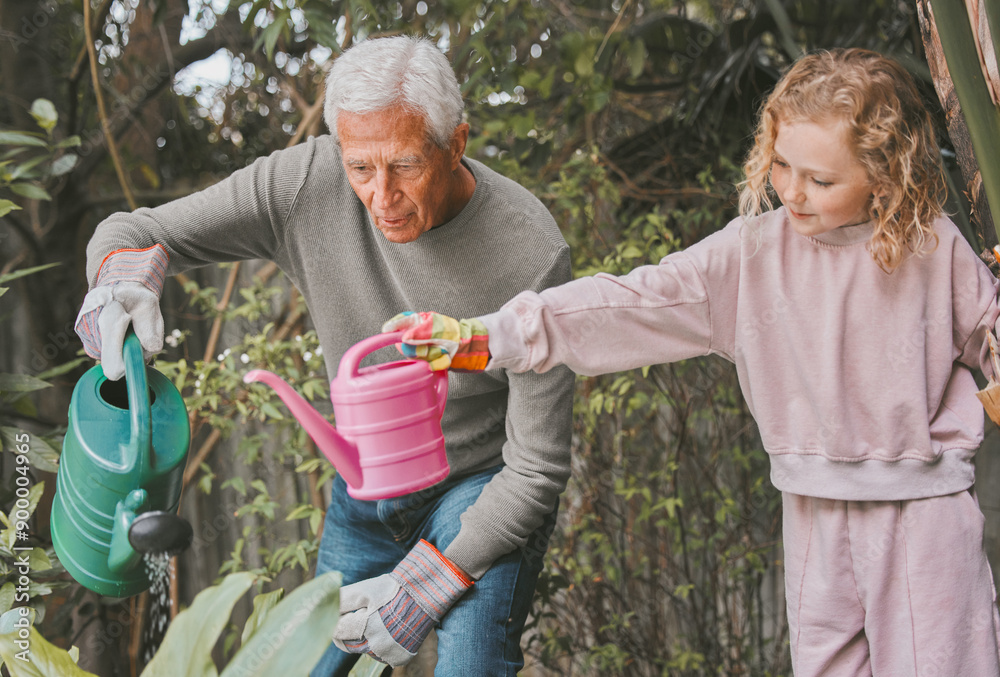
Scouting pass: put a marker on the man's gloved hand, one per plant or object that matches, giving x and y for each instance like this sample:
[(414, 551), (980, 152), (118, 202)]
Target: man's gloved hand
[(127, 291), (389, 616), (444, 342)]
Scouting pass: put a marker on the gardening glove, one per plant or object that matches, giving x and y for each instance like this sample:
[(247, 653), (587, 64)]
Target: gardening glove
[(444, 342), (388, 617), (127, 291)]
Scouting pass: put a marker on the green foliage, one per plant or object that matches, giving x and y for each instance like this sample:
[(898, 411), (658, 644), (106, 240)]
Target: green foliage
[(286, 636), (29, 568), (214, 391), (32, 159)]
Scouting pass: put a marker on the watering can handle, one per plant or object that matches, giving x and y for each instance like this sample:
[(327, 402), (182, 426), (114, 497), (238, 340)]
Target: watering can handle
[(140, 443), (352, 358)]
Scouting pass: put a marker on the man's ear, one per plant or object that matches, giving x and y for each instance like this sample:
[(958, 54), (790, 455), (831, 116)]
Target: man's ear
[(459, 139)]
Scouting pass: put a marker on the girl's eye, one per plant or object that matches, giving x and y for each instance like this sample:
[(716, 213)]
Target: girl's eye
[(822, 184), (780, 163)]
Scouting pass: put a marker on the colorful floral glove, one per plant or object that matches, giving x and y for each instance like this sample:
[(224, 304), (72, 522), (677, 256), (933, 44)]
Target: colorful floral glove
[(444, 342), (127, 291), (388, 617)]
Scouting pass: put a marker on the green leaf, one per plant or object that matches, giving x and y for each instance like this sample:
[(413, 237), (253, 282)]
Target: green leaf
[(10, 617), (34, 495), (42, 455), (21, 139), (61, 369), (21, 383), (295, 633), (69, 142), (367, 667), (6, 597), (271, 34), (262, 604), (25, 271), (39, 560), (44, 112), (299, 512), (632, 252), (6, 207), (64, 165), (187, 647), (44, 659), (30, 191)]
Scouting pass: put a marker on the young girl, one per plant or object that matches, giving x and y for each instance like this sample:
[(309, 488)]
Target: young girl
[(855, 314)]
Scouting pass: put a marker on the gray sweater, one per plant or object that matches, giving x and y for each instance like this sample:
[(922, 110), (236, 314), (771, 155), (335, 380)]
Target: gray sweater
[(297, 209)]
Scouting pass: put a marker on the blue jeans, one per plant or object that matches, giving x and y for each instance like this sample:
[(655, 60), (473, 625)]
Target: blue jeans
[(481, 634)]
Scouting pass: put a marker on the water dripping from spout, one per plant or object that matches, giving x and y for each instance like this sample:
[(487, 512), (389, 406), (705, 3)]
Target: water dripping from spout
[(159, 568)]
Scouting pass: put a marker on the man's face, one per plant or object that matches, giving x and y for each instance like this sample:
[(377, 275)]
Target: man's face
[(406, 182)]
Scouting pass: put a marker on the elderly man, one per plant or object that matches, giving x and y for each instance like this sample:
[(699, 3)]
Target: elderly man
[(383, 215)]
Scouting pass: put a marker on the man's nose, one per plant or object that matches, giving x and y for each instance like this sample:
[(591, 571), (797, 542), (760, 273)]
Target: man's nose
[(386, 192)]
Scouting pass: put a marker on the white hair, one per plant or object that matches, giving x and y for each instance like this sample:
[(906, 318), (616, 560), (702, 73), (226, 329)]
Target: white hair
[(404, 71)]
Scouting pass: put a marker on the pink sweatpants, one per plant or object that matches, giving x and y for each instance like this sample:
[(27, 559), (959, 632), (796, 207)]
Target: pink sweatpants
[(889, 588)]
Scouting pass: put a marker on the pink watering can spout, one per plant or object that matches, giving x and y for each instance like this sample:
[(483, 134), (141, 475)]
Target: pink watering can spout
[(388, 439), (341, 453)]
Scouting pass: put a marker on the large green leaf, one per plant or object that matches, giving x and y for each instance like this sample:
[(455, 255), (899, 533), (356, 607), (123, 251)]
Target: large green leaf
[(187, 647), (294, 634), (262, 604), (39, 659)]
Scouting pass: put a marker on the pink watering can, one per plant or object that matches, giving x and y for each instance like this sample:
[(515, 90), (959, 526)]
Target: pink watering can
[(388, 439)]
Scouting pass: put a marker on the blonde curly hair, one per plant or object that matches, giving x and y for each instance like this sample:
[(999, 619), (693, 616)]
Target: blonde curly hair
[(890, 134)]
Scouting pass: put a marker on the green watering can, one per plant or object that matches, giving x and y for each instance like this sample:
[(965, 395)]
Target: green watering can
[(120, 476)]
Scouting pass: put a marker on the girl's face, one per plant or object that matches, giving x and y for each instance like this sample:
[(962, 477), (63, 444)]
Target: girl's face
[(817, 177)]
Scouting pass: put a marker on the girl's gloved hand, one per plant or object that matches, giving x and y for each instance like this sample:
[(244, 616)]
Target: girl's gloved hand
[(444, 342), (127, 291), (388, 617)]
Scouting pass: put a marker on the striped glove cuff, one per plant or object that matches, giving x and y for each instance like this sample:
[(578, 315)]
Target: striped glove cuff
[(147, 266), (433, 582)]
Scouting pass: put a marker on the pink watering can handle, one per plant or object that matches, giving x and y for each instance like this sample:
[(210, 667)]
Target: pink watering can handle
[(351, 359)]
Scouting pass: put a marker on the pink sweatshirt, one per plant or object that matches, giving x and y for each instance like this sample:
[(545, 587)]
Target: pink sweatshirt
[(860, 381)]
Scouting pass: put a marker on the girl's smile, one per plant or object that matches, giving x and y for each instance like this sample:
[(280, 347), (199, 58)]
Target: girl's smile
[(817, 177)]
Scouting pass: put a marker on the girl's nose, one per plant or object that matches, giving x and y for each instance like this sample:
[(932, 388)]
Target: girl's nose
[(796, 190)]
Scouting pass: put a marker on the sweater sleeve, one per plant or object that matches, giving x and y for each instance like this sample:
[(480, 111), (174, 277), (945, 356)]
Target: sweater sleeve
[(601, 324), (974, 302), (238, 218)]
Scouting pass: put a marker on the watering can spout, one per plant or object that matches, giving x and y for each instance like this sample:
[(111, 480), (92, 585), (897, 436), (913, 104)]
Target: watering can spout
[(341, 453)]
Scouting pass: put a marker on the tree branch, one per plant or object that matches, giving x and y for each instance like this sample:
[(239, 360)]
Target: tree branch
[(101, 110)]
